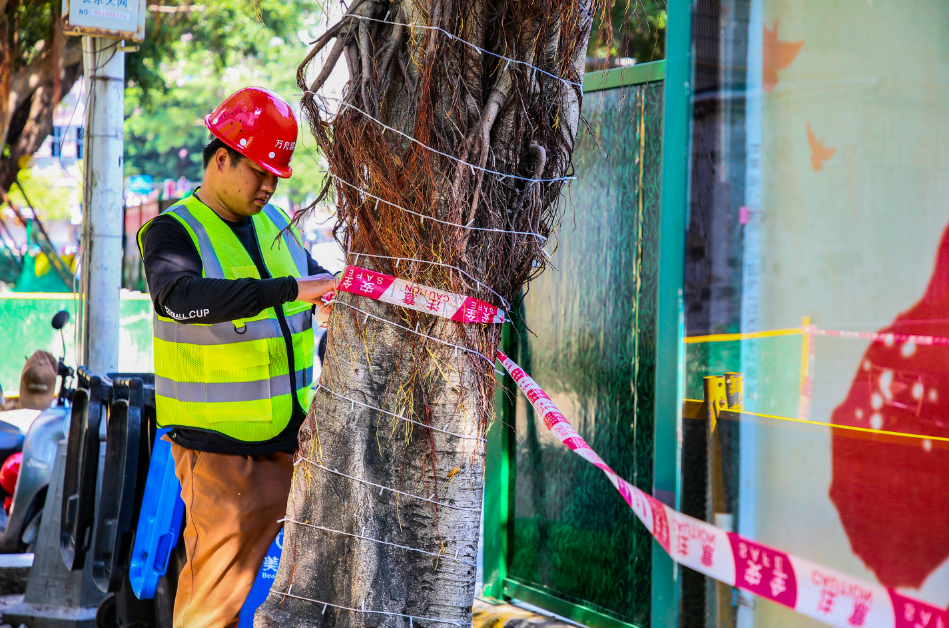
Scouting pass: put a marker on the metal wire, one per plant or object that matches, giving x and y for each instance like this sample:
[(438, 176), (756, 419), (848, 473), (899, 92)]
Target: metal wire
[(415, 331), (424, 217), (384, 488), (380, 541), (507, 306), (503, 175), (363, 610), (398, 416), (468, 43)]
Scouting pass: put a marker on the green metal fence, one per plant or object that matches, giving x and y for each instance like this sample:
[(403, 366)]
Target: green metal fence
[(556, 534), (25, 327)]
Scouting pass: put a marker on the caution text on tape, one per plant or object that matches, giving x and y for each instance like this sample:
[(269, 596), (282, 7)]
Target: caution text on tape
[(388, 289)]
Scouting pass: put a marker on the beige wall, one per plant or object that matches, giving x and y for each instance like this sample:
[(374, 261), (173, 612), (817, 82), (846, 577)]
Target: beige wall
[(850, 245)]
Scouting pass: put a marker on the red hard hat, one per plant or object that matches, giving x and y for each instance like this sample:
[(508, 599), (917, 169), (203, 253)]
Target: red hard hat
[(10, 471), (259, 125)]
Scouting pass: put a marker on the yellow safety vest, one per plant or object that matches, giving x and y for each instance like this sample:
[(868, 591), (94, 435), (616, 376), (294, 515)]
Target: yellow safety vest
[(234, 378)]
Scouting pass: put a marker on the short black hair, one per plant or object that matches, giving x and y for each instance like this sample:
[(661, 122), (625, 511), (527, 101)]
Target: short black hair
[(211, 149)]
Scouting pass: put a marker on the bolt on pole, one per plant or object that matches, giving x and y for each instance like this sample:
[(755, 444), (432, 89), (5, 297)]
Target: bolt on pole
[(104, 68)]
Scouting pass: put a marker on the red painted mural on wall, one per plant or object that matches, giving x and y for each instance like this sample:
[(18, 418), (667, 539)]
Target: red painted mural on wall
[(893, 494)]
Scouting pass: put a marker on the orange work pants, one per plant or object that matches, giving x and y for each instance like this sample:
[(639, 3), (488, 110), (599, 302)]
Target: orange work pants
[(232, 508)]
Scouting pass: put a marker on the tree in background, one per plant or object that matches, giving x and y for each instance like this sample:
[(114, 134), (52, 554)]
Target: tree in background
[(192, 55), (47, 195), (194, 60), (38, 66), (632, 34)]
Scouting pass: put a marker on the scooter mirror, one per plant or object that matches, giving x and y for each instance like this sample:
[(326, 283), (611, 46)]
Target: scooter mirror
[(60, 319)]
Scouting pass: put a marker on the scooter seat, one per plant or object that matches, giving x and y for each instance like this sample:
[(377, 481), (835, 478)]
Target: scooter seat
[(11, 440)]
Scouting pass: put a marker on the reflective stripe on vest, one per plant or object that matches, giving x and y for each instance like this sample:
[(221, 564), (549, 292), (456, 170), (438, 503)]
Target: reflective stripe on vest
[(226, 333), (296, 251), (234, 377), (198, 392), (212, 267)]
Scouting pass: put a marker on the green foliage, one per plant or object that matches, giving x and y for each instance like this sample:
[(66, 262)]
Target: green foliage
[(191, 62), (637, 29), (51, 200), (226, 34), (33, 27)]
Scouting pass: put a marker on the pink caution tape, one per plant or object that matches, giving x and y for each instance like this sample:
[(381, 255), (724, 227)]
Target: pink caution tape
[(885, 337), (810, 589), (388, 289), (826, 595)]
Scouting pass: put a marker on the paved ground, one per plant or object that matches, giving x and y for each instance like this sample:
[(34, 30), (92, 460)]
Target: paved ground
[(6, 601), (487, 615), (14, 571)]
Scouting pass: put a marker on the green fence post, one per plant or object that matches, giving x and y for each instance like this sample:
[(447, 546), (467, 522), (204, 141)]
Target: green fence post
[(672, 224), (499, 470), (500, 467)]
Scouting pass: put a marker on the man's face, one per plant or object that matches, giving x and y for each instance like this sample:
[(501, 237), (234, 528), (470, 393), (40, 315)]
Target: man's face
[(248, 187)]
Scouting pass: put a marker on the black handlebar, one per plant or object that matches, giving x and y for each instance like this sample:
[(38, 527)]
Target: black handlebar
[(65, 373)]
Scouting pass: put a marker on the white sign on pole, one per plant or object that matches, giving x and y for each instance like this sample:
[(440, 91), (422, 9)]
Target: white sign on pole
[(117, 19)]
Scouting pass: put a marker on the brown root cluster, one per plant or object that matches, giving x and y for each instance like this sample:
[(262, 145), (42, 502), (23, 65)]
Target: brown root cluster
[(496, 88)]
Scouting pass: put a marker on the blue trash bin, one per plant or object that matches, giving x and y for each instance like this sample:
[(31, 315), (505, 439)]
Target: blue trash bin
[(159, 522), (265, 577), (159, 525)]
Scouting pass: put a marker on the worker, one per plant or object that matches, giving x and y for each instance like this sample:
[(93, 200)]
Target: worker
[(233, 290)]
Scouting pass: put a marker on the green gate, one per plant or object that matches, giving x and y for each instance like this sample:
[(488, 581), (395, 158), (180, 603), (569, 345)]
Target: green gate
[(556, 533)]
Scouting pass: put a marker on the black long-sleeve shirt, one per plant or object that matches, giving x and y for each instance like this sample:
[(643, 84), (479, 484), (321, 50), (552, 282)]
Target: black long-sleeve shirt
[(173, 270)]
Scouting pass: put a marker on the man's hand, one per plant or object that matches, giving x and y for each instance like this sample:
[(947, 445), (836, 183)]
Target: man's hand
[(312, 288)]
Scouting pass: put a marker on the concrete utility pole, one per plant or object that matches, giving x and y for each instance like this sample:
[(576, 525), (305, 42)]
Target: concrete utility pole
[(104, 67)]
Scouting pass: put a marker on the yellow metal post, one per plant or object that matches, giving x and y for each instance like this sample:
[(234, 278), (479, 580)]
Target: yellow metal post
[(715, 400), (807, 350), (721, 394)]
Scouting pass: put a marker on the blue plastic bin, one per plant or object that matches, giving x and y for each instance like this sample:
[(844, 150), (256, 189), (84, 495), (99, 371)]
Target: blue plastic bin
[(159, 522), (265, 577), (159, 525)]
